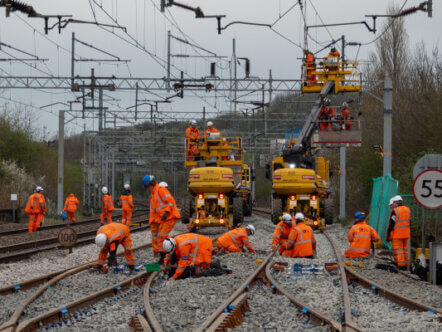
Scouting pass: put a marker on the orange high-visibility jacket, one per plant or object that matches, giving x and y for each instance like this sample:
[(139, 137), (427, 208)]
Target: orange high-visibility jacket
[(310, 61), (161, 201), (281, 233), (360, 237), (302, 240), (401, 228), (36, 204), (127, 202), (107, 204), (334, 54), (116, 232), (210, 130), (238, 237), (193, 133), (71, 203), (192, 249)]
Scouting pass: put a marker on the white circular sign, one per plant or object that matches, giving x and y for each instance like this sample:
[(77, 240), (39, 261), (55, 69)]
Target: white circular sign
[(427, 189)]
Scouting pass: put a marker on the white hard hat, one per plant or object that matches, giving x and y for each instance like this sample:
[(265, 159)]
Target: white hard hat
[(127, 186), (345, 104), (251, 228), (39, 189), (163, 184), (168, 245), (287, 218), (100, 240), (333, 46), (193, 122), (396, 198), (209, 124), (299, 216), (104, 190)]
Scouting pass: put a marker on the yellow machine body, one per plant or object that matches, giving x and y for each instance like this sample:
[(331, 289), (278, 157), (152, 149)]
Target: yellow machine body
[(219, 195)]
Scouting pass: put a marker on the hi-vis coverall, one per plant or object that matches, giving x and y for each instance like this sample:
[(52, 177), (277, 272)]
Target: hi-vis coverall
[(301, 242), (107, 206), (163, 216), (360, 237), (399, 233), (116, 234), (36, 208), (192, 249), (281, 235), (234, 241), (70, 207), (127, 204)]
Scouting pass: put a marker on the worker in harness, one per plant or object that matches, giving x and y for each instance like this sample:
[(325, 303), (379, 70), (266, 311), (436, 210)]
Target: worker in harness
[(310, 67), (193, 135)]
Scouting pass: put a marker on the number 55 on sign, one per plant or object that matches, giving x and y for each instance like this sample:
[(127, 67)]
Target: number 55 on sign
[(427, 189)]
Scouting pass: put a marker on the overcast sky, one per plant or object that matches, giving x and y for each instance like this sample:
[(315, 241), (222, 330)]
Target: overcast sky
[(148, 27)]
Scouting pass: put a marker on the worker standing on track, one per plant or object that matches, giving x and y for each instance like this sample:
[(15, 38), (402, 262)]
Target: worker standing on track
[(188, 254), (107, 206), (193, 135), (310, 66), (163, 214), (282, 231), (235, 240), (127, 205), (360, 236), (398, 231), (210, 129), (36, 209), (70, 207), (301, 241), (108, 238)]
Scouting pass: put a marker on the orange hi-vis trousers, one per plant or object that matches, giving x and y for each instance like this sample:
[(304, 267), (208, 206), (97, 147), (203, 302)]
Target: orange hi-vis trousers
[(71, 216), (127, 217), (106, 216), (35, 220), (400, 251), (159, 232)]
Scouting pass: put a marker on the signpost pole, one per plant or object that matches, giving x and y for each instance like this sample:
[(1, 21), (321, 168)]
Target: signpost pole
[(423, 229), (13, 211)]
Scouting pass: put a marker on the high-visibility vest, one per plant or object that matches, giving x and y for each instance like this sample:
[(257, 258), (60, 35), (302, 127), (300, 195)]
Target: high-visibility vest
[(107, 203), (70, 204), (37, 204), (208, 130), (114, 232), (193, 133), (238, 237), (127, 202), (401, 229), (302, 239), (360, 237), (192, 249), (281, 233), (161, 201)]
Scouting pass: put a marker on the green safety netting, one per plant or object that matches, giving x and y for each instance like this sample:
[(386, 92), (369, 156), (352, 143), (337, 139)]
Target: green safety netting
[(383, 189)]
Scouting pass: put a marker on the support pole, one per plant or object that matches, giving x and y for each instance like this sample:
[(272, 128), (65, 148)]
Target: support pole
[(343, 47), (424, 221), (437, 225), (168, 60), (60, 161), (73, 60), (234, 76), (113, 174), (388, 114), (204, 116), (342, 188)]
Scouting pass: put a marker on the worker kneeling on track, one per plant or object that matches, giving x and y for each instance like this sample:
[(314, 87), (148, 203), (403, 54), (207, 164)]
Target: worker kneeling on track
[(301, 241), (235, 240), (108, 238), (162, 216), (282, 231), (360, 237), (190, 255)]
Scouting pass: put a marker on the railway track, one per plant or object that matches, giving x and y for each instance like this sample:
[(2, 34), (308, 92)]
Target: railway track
[(24, 250)]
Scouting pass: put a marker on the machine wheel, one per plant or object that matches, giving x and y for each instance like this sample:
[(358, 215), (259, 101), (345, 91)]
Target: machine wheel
[(329, 209), (238, 212), (186, 210), (248, 206), (276, 210)]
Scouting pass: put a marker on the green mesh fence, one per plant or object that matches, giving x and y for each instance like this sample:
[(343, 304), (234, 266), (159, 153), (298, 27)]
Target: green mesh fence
[(383, 189)]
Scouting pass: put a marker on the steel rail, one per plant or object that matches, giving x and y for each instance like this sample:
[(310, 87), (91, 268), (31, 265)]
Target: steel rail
[(154, 325), (11, 257), (13, 320), (211, 323), (54, 315), (316, 317)]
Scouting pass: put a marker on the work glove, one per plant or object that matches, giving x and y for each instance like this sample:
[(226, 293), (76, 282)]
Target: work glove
[(112, 260), (165, 215)]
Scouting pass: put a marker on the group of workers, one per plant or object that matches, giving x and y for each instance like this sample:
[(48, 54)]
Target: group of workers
[(330, 121), (331, 63), (194, 136)]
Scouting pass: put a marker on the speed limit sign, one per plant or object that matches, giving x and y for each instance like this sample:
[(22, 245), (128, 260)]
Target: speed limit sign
[(427, 189)]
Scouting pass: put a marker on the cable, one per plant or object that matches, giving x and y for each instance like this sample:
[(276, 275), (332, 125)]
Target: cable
[(289, 40), (320, 18), (281, 16), (387, 28)]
